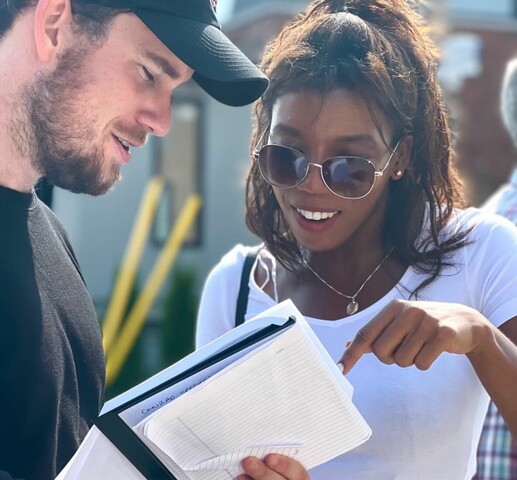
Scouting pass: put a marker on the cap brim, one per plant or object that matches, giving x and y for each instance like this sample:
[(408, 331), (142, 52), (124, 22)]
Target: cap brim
[(221, 69)]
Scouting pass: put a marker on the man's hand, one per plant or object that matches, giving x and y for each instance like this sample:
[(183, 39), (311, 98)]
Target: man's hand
[(273, 467)]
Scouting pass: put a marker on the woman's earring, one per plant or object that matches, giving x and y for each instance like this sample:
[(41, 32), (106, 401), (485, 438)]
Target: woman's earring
[(399, 173)]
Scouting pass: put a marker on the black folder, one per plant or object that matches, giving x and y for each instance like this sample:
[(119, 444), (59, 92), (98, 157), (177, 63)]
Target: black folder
[(128, 442)]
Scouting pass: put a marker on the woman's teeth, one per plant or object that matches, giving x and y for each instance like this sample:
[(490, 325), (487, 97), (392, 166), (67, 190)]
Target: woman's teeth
[(315, 215)]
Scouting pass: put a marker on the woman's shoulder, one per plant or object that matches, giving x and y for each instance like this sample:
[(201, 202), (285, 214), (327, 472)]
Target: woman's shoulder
[(485, 234), (480, 223), (231, 263), (235, 257), (217, 307)]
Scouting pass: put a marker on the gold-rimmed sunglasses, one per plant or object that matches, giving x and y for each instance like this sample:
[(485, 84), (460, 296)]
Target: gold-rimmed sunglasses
[(345, 176)]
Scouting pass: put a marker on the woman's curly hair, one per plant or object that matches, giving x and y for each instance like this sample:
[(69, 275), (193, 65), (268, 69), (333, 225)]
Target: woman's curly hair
[(380, 50)]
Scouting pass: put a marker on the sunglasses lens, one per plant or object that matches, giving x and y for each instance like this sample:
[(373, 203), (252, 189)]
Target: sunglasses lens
[(350, 177), (281, 166)]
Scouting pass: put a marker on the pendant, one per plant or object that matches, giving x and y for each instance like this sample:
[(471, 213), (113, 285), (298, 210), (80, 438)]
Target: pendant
[(352, 307)]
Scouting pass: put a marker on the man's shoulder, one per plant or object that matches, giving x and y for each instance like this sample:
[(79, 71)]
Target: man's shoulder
[(57, 227), (52, 219)]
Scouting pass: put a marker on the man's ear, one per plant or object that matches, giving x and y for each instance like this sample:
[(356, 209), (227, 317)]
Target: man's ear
[(402, 157), (51, 19)]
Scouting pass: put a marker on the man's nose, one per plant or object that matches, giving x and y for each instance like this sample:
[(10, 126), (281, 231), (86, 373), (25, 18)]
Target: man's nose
[(156, 119)]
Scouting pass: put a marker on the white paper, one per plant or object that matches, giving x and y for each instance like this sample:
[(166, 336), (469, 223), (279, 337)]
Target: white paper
[(230, 461), (280, 393), (98, 458), (134, 415), (258, 401), (230, 338)]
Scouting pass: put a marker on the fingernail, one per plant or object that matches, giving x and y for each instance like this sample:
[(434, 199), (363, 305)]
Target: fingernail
[(341, 367), (348, 343), (251, 462)]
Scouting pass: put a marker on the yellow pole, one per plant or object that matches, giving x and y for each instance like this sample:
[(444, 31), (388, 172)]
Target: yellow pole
[(138, 314), (127, 273)]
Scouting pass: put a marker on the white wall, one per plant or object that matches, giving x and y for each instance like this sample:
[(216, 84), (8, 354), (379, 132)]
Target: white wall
[(100, 226), (225, 163), (482, 7)]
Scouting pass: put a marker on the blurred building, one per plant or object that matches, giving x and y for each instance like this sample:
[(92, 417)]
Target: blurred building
[(478, 39)]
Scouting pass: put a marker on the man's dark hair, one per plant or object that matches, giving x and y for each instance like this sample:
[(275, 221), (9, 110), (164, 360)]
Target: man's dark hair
[(90, 18)]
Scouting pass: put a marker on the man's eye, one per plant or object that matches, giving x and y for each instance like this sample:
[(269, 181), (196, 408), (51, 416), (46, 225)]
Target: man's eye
[(147, 74)]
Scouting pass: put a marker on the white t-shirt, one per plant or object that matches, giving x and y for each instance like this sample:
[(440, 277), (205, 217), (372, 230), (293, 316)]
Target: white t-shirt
[(426, 424)]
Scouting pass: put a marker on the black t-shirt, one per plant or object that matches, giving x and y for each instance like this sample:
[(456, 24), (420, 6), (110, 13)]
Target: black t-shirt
[(51, 358)]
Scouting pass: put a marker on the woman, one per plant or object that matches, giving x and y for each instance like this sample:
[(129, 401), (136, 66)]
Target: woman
[(354, 195)]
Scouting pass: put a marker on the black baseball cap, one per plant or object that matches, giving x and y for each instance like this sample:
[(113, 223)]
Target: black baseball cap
[(189, 28)]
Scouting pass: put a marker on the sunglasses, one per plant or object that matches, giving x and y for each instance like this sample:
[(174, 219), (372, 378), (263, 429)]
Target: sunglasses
[(345, 176)]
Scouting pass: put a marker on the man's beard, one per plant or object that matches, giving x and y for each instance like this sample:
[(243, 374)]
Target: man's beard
[(56, 131)]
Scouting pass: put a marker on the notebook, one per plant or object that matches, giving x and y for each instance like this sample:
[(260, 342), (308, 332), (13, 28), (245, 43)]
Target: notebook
[(268, 386)]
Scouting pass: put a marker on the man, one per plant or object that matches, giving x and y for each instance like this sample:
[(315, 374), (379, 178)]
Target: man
[(497, 452), (82, 83)]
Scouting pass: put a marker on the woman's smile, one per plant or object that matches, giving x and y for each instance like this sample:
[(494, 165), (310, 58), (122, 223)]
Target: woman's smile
[(322, 126)]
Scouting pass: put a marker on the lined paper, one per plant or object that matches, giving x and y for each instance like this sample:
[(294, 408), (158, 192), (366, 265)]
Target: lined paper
[(281, 396), (230, 461)]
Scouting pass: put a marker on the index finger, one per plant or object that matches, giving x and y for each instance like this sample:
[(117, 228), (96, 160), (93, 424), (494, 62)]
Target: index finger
[(364, 338)]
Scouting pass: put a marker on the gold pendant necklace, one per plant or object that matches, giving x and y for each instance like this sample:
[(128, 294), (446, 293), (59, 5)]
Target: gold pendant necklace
[(353, 306)]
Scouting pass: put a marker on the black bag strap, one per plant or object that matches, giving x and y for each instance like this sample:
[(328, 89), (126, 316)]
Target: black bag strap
[(244, 288)]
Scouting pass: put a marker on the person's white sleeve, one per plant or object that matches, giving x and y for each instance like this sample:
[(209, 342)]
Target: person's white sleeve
[(218, 304), (491, 262)]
